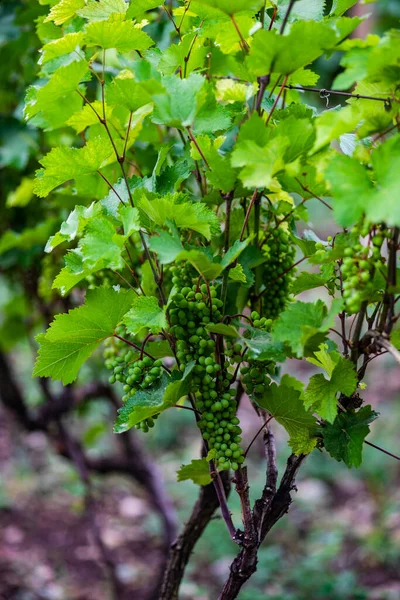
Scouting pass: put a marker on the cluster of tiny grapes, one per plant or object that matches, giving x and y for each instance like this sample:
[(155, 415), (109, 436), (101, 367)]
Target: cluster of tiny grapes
[(260, 322), (255, 376), (277, 283), (182, 275), (191, 309), (358, 267), (133, 374)]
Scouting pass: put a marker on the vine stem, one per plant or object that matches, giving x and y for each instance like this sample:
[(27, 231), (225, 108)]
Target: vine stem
[(246, 219), (271, 112), (381, 450), (305, 188), (336, 92), (257, 434), (286, 17), (226, 513)]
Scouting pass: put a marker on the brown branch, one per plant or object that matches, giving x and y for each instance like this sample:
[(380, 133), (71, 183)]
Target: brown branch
[(205, 507), (245, 563)]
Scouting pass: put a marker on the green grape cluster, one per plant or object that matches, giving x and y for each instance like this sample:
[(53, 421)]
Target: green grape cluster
[(358, 267), (132, 373), (255, 376), (281, 253), (191, 309), (182, 275), (260, 322)]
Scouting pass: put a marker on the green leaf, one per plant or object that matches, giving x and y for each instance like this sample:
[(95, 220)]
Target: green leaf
[(22, 195), (130, 219), (72, 337), (87, 116), (51, 105), (178, 114), (201, 261), (301, 321), (355, 195), (304, 10), (285, 405), (28, 238), (180, 386), (98, 10), (307, 281), (351, 189), (181, 211), (321, 394), (237, 274), (118, 34), (197, 470), (64, 10), (149, 402), (64, 45), (125, 91), (222, 329), (217, 8), (262, 346), (137, 7), (386, 164), (63, 163), (101, 242), (142, 405), (324, 359), (259, 163), (344, 439), (285, 54), (234, 251), (166, 246), (74, 225), (220, 172), (145, 312)]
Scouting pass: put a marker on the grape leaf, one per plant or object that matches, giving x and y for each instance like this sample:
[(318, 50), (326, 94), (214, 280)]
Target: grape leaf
[(262, 347), (138, 7), (321, 394), (63, 163), (324, 359), (166, 246), (64, 10), (64, 45), (166, 392), (51, 105), (344, 439), (145, 312), (75, 224), (197, 470), (183, 212), (285, 405), (353, 192), (217, 8), (301, 321), (285, 54), (237, 274), (98, 10), (127, 92), (72, 337), (307, 281), (118, 34), (202, 262)]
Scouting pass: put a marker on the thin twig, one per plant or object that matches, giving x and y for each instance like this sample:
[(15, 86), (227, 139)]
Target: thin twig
[(381, 450), (336, 92)]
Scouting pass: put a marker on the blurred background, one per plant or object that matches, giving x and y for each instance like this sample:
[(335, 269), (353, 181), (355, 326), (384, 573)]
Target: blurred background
[(83, 511)]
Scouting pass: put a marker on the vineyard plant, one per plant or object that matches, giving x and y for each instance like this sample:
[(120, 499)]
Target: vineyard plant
[(166, 165)]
